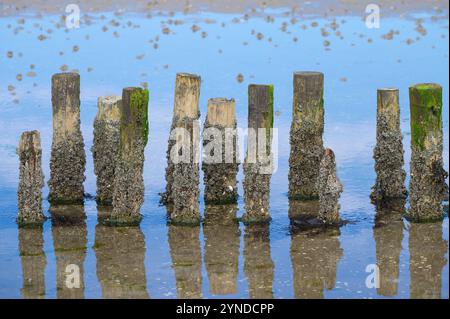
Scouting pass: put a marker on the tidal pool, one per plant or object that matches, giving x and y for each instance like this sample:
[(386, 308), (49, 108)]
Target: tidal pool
[(229, 51)]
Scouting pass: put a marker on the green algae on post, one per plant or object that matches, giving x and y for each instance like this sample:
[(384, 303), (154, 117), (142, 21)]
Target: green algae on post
[(426, 112), (427, 185), (306, 135), (258, 163), (128, 195), (388, 152), (68, 158)]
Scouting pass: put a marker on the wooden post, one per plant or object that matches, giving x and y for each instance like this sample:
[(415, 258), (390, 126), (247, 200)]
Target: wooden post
[(427, 184), (106, 146), (182, 176), (128, 194), (120, 255), (388, 153), (330, 189), (221, 249), (219, 173), (306, 135), (258, 263), (31, 179), (186, 254), (68, 159), (258, 168), (33, 260)]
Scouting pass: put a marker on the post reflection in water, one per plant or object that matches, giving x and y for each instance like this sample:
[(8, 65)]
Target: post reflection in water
[(388, 235), (222, 241), (314, 259), (69, 233), (185, 250), (315, 252), (258, 264), (427, 250), (120, 254), (32, 257)]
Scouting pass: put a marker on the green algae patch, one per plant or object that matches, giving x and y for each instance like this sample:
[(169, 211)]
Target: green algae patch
[(426, 112), (134, 120), (139, 109)]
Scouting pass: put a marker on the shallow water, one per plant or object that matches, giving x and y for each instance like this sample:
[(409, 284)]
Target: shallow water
[(160, 261)]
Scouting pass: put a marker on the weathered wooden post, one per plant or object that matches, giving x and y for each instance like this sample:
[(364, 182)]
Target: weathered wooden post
[(182, 172), (259, 157), (33, 260), (427, 184), (68, 159), (330, 189), (128, 194), (306, 135), (258, 263), (106, 146), (388, 152), (221, 249), (31, 179), (220, 161), (124, 248)]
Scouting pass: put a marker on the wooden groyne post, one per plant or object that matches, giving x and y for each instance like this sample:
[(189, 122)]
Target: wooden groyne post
[(128, 194), (258, 160), (220, 161), (106, 146), (31, 179), (306, 135), (427, 184), (330, 189), (182, 172), (388, 152), (68, 158)]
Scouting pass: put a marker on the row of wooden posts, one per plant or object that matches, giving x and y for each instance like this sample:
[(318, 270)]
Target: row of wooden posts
[(121, 135)]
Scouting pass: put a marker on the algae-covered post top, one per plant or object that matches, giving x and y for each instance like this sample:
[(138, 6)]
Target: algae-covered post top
[(428, 187), (187, 94), (128, 195), (134, 119), (426, 112)]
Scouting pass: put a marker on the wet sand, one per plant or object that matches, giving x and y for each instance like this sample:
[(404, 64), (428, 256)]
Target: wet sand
[(297, 7)]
